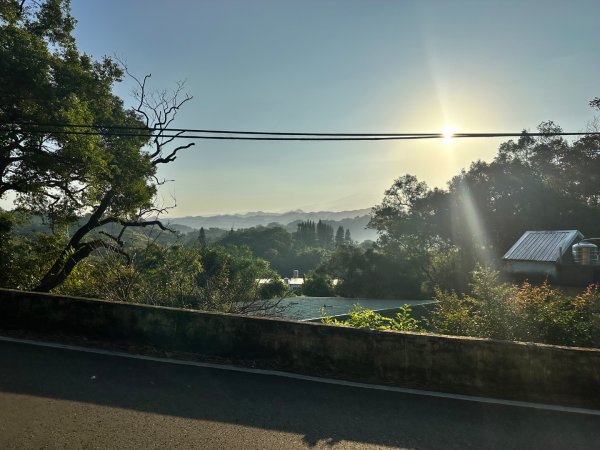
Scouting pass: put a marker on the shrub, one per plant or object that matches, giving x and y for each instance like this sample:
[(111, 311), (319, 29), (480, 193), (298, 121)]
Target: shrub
[(360, 317), (318, 285), (524, 313)]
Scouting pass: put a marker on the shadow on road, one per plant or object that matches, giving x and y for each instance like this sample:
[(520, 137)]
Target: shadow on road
[(323, 414)]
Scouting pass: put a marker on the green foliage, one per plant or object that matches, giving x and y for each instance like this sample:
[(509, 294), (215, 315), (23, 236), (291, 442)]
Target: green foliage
[(24, 259), (202, 237), (527, 313), (283, 250), (339, 236), (347, 238), (374, 273), (207, 278), (306, 234), (485, 209), (275, 288), (324, 234), (44, 79), (318, 285), (101, 176), (360, 317)]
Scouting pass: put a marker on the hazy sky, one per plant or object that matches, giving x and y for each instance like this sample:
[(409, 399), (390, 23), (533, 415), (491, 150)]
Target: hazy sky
[(347, 66)]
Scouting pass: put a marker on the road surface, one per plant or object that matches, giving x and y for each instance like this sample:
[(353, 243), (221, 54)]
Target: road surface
[(59, 398)]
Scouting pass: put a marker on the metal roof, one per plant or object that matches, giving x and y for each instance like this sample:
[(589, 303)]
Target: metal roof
[(543, 245)]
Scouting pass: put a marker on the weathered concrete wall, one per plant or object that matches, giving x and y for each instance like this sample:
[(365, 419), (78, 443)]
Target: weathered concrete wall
[(451, 364)]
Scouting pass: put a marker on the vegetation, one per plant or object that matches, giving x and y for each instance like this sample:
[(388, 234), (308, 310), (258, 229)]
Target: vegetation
[(102, 176), (87, 222), (493, 309), (206, 278), (432, 238), (360, 317), (91, 189), (318, 285), (303, 250), (498, 310)]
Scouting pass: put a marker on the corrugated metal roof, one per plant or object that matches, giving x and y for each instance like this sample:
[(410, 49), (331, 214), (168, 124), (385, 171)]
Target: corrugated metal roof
[(543, 245)]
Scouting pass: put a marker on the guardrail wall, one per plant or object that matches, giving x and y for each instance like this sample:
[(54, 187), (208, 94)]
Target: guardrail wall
[(511, 370)]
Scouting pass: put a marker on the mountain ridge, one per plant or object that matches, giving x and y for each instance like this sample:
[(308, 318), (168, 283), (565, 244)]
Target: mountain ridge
[(355, 220)]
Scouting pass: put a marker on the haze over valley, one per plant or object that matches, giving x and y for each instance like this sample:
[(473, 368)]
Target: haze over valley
[(354, 220)]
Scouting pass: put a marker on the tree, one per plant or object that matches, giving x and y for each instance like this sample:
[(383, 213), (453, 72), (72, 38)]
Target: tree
[(398, 202), (533, 183), (306, 233), (318, 285), (339, 236), (347, 238), (202, 237), (209, 278), (60, 171), (45, 80), (324, 234)]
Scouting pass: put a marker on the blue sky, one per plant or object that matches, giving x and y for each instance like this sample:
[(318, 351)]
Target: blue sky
[(346, 66)]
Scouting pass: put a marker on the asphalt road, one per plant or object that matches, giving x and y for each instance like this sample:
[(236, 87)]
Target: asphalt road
[(55, 398)]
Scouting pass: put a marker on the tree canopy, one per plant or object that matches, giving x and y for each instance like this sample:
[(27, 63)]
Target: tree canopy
[(60, 172)]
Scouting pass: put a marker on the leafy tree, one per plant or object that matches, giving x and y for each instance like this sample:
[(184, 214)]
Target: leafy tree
[(208, 278), (318, 285), (44, 79), (275, 288), (60, 172), (398, 202), (373, 273), (531, 184)]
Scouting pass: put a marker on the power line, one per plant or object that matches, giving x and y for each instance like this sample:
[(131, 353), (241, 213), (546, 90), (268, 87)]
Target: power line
[(96, 130), (195, 130), (240, 138)]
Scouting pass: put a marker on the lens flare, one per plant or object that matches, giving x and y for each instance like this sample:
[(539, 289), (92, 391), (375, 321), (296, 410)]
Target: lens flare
[(448, 133)]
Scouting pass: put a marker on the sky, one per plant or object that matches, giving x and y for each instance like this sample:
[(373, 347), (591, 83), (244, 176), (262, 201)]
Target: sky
[(346, 66)]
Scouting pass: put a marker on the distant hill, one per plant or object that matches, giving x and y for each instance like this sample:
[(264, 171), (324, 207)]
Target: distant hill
[(355, 220)]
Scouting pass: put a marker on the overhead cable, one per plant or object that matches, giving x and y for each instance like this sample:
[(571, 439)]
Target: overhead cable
[(181, 133)]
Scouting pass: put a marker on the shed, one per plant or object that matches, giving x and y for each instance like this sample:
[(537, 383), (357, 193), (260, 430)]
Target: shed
[(545, 255)]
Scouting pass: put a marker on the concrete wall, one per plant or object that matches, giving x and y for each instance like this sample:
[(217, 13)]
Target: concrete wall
[(451, 364)]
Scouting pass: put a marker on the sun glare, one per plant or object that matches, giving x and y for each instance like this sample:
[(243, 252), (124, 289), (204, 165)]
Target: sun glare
[(448, 132)]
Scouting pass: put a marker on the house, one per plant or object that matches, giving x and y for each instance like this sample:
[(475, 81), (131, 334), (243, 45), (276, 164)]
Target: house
[(547, 255), (294, 282)]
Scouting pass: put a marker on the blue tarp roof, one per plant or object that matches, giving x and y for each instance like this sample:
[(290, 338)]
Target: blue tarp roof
[(543, 245)]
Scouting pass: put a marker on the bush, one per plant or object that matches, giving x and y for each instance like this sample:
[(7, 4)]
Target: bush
[(524, 313), (318, 285), (366, 318), (275, 288), (208, 278)]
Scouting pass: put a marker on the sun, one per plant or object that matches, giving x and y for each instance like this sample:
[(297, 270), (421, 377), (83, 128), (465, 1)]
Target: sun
[(448, 132)]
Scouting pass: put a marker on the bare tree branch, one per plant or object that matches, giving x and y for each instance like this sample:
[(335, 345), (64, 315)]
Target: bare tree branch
[(173, 155)]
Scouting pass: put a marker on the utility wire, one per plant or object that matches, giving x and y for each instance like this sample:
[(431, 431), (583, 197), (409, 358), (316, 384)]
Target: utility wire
[(194, 130), (126, 131), (240, 138)]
